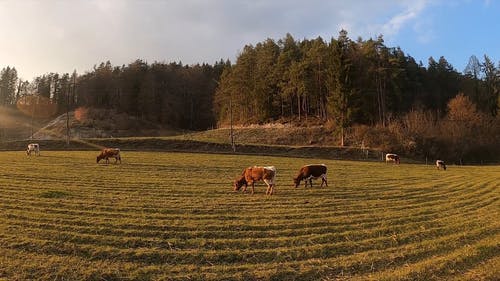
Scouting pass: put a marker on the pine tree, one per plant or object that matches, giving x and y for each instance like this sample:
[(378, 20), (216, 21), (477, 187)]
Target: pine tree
[(340, 85)]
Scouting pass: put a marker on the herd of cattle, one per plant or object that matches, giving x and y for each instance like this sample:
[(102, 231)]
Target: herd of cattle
[(267, 174), (253, 174)]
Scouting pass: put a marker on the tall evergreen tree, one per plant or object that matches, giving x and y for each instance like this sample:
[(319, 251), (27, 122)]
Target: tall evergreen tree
[(266, 91), (8, 84), (340, 85), (315, 59), (492, 83), (290, 53)]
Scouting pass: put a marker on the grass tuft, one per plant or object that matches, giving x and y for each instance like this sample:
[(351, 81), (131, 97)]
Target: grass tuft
[(54, 194)]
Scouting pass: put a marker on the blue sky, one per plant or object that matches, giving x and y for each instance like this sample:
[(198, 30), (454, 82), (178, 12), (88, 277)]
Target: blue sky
[(61, 36), (455, 30)]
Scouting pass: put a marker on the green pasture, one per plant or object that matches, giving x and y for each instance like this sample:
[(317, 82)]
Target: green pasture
[(174, 216)]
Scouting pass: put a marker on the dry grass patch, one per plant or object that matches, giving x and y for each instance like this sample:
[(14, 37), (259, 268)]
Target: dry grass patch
[(174, 216)]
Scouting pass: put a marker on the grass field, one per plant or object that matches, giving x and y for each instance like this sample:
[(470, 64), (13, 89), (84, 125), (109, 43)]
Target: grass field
[(174, 216)]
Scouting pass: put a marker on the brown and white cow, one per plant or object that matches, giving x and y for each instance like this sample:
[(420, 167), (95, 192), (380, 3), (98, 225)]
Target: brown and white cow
[(107, 153), (252, 174), (391, 157), (440, 164), (310, 172), (33, 147)]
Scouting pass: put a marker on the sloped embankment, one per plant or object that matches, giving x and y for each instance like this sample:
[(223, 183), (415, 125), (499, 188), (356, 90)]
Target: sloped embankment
[(163, 144)]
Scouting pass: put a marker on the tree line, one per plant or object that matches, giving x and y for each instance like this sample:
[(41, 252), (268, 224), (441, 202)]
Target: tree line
[(169, 94), (371, 94), (345, 81), (342, 82)]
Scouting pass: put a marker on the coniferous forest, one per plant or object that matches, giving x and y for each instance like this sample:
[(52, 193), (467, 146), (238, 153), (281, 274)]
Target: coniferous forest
[(357, 87)]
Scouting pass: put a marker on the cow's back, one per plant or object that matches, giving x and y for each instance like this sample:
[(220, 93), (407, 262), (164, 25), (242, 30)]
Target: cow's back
[(269, 172), (254, 173), (259, 173), (110, 152)]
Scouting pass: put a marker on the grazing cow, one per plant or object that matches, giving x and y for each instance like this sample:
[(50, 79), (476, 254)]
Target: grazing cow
[(391, 157), (33, 147), (252, 174), (440, 164), (107, 153), (310, 172)]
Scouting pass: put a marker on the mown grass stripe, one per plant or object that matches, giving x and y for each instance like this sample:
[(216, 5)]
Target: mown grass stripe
[(143, 220), (156, 223)]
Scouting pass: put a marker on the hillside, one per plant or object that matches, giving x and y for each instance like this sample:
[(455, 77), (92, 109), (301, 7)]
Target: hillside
[(269, 134), (99, 123), (15, 125), (105, 126)]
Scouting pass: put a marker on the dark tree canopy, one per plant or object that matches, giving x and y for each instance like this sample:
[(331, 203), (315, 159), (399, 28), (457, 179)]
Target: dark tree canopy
[(341, 80)]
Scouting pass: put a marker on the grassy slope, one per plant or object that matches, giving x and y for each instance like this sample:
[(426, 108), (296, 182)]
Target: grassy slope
[(312, 135), (187, 144), (14, 125), (174, 216)]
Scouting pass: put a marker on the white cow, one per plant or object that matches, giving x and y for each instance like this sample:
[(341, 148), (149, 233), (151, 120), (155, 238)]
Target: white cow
[(33, 147), (391, 157), (440, 164)]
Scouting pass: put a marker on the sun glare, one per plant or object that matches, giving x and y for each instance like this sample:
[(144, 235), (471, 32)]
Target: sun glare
[(37, 106)]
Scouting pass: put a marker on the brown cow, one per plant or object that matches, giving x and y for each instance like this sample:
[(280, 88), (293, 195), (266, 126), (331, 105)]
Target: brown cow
[(107, 153), (310, 172), (252, 174)]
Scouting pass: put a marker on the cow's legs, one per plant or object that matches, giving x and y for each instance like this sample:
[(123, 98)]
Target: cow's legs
[(253, 188), (270, 187), (323, 180), (309, 179)]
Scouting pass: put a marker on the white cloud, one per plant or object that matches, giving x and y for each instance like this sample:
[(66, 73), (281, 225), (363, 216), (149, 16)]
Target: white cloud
[(398, 21), (60, 36)]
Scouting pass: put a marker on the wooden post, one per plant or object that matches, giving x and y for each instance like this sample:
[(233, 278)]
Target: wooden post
[(233, 146)]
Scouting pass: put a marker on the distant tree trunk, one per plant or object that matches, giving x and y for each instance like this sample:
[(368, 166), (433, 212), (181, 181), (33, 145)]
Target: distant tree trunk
[(298, 105), (282, 107), (342, 136), (305, 107), (381, 87)]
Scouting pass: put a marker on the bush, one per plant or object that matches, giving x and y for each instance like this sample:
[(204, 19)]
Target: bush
[(376, 137)]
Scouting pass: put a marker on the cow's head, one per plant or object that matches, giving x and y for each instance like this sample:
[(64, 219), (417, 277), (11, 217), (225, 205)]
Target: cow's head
[(99, 157), (296, 182), (239, 183)]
